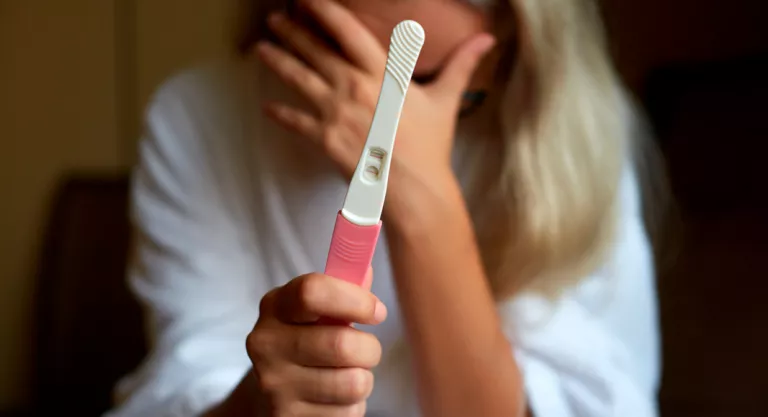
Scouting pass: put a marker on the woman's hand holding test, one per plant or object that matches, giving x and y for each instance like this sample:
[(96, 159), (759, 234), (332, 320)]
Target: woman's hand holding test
[(304, 369), (462, 360)]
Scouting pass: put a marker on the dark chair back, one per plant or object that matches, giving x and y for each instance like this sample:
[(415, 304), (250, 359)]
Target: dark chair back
[(89, 327)]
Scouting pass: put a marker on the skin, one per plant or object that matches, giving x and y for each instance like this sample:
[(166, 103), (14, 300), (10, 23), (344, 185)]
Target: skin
[(301, 368), (447, 23)]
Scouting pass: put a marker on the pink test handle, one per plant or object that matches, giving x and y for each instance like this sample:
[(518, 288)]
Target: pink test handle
[(351, 251)]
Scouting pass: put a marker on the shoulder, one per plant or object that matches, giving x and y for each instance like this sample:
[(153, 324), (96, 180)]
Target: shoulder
[(192, 140), (217, 105), (196, 120), (200, 95)]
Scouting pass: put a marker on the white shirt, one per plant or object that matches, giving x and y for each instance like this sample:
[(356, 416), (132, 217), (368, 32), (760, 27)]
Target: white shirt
[(227, 206)]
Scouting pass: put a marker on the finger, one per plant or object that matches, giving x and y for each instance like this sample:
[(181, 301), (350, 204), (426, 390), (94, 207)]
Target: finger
[(456, 75), (327, 410), (344, 143), (295, 73), (338, 140), (342, 386), (267, 303), (305, 299), (335, 346), (314, 51), (357, 42), (341, 139), (295, 120), (368, 280)]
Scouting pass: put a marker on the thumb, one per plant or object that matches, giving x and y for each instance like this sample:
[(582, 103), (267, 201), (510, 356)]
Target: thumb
[(456, 75)]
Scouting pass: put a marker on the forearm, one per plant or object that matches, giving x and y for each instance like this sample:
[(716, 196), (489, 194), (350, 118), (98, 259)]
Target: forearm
[(463, 361)]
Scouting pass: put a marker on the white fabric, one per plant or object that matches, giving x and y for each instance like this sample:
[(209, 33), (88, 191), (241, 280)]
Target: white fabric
[(228, 206)]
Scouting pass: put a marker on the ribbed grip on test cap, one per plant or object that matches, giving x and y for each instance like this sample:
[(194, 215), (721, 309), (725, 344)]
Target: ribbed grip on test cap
[(351, 251), (404, 49)]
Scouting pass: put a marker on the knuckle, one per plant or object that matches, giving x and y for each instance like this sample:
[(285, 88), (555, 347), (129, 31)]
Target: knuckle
[(329, 136), (355, 119), (360, 128), (351, 85), (312, 291), (267, 302), (343, 346), (330, 105), (261, 344), (357, 384), (345, 114), (352, 119), (356, 88), (342, 113), (365, 97), (376, 357), (361, 91), (344, 150), (270, 382)]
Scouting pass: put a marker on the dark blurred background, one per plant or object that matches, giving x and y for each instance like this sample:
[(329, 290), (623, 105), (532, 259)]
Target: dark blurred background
[(75, 75)]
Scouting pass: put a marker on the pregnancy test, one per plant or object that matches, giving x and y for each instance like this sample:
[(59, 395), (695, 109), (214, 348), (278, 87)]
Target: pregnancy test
[(358, 224)]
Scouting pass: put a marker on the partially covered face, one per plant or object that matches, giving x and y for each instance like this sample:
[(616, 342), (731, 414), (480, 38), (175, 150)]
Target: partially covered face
[(447, 23)]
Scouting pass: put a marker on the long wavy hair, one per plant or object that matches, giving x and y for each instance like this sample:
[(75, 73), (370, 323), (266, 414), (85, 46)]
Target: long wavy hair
[(567, 128)]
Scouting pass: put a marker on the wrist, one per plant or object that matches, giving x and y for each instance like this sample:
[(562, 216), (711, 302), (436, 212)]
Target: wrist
[(416, 205)]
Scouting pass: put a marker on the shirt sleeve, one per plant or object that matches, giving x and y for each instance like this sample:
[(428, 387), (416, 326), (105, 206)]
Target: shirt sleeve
[(196, 266), (594, 352)]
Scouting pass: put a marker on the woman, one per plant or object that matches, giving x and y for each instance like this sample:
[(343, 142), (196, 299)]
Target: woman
[(514, 275)]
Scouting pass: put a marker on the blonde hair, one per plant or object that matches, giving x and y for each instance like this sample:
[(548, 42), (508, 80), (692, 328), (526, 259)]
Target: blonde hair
[(564, 119), (564, 123)]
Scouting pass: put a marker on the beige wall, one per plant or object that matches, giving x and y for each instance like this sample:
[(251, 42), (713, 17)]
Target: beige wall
[(57, 112), (74, 76), (173, 34)]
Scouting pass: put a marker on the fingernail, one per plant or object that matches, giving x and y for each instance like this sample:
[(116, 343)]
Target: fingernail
[(380, 312), (262, 47), (264, 50), (488, 43)]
